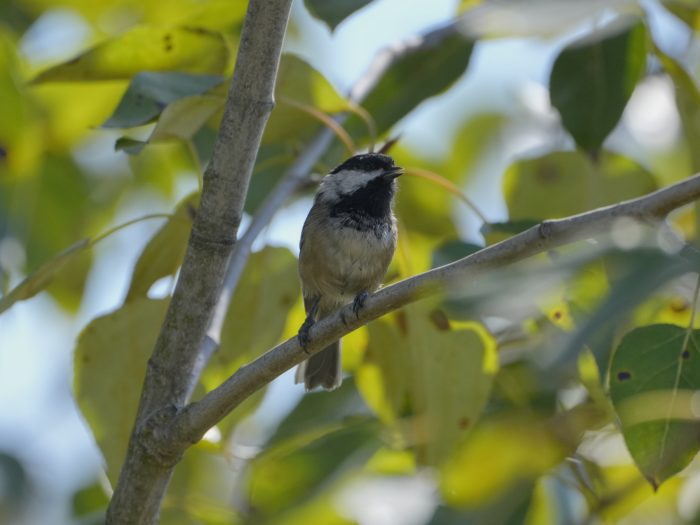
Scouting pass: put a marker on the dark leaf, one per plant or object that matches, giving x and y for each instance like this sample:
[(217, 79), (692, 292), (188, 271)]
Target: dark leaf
[(333, 12), (149, 93), (423, 70), (593, 78)]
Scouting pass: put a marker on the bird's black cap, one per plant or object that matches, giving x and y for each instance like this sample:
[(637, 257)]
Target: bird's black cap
[(366, 162)]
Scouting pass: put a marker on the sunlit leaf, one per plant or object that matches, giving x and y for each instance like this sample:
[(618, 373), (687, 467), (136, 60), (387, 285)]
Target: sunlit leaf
[(149, 93), (333, 12), (20, 133), (145, 48), (417, 366), (110, 363), (43, 276), (499, 453), (164, 252), (654, 375), (567, 182), (593, 78)]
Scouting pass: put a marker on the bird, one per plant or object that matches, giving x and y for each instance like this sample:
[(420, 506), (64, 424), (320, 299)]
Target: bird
[(347, 243)]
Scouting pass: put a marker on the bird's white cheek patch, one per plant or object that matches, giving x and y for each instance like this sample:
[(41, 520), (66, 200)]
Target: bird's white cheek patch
[(346, 182)]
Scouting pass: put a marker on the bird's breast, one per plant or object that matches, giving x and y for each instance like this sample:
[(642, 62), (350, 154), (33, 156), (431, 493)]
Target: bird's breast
[(345, 260)]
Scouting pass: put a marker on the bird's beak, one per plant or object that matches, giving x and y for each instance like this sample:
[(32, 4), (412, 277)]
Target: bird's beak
[(393, 172)]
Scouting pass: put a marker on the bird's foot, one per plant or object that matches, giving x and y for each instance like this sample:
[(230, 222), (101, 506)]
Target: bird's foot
[(359, 302), (303, 335)]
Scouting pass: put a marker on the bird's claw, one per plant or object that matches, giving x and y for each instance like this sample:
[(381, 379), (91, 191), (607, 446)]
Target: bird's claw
[(359, 302), (303, 335)]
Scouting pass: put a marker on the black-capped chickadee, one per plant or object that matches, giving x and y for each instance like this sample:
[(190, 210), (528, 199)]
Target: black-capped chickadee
[(347, 243)]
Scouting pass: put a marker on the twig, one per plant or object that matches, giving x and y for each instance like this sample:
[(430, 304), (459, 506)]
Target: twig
[(174, 366), (188, 426)]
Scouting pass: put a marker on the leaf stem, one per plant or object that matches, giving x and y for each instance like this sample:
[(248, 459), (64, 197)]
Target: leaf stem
[(119, 227), (679, 369), (449, 186)]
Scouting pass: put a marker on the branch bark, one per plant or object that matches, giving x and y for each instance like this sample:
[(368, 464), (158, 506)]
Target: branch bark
[(189, 425), (174, 367)]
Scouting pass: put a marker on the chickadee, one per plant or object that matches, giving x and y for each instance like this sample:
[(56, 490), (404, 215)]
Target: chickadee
[(347, 243)]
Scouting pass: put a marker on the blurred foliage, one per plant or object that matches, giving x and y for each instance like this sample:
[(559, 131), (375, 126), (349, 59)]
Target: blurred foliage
[(502, 395)]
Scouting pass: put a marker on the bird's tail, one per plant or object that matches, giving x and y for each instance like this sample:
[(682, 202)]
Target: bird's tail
[(321, 369)]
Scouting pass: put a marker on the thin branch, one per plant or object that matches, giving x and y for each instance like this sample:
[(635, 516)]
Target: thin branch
[(297, 174), (176, 362), (188, 426)]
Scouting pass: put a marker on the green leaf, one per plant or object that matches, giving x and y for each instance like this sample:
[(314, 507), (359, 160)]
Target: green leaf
[(333, 12), (688, 103), (183, 118), (593, 78), (201, 489), (299, 83), (129, 145), (494, 232), (288, 475), (421, 206), (270, 164), (638, 273), (110, 364), (145, 48), (48, 212), (320, 412), (149, 93), (418, 365), (506, 453), (266, 292), (326, 434), (90, 501), (255, 321), (44, 275), (654, 376), (453, 250), (568, 182), (422, 70), (163, 254)]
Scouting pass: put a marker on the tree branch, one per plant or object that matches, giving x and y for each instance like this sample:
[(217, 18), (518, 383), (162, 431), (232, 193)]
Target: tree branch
[(298, 173), (173, 368), (189, 426)]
